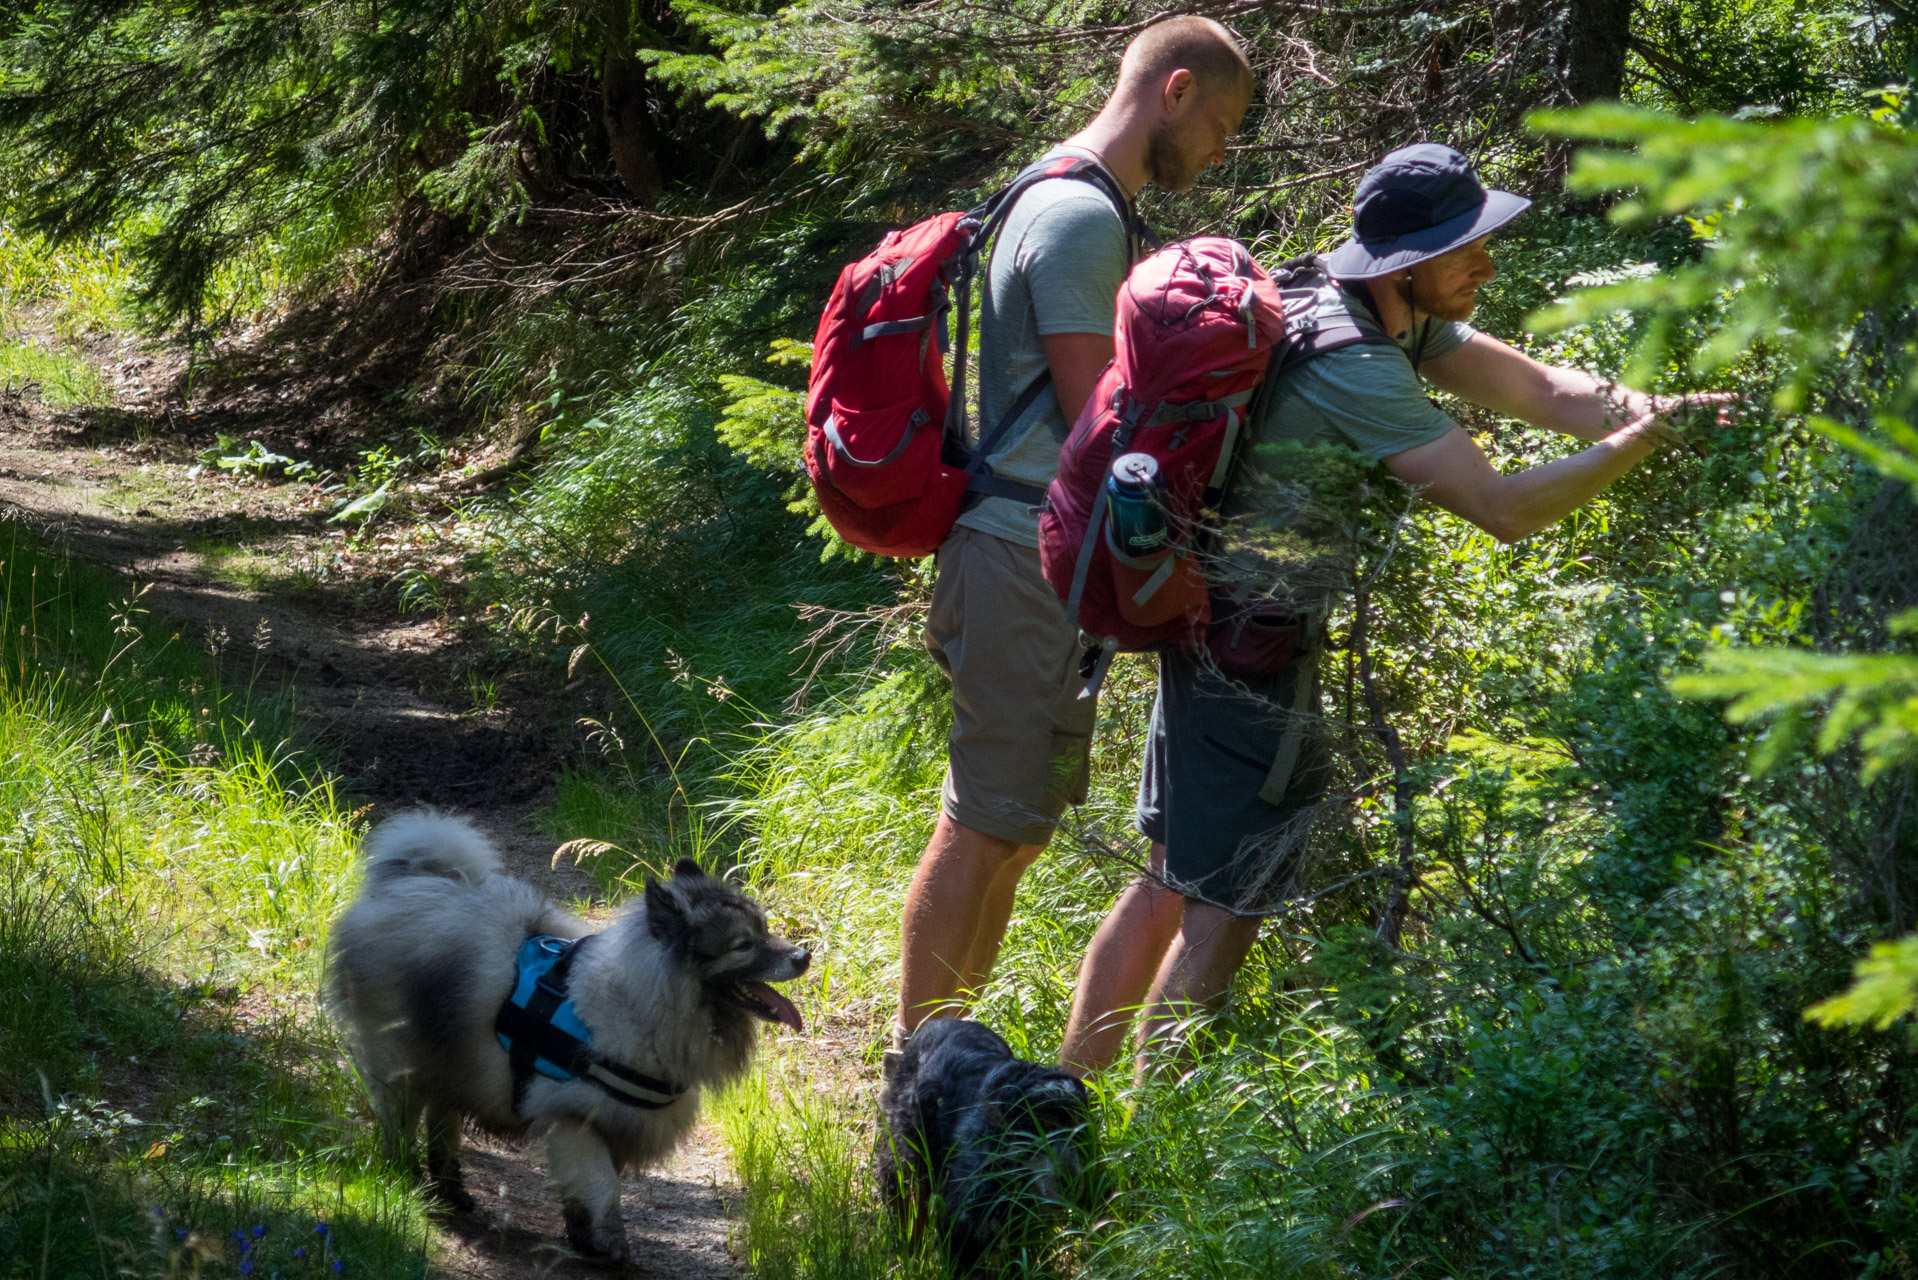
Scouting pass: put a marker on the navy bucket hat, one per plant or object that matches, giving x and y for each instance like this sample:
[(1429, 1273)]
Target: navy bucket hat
[(1415, 204)]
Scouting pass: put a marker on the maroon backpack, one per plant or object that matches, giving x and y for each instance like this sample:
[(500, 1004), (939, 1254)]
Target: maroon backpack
[(1199, 326), (885, 439)]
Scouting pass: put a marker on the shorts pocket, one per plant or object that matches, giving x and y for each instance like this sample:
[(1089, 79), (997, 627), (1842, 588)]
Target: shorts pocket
[(1071, 764), (1233, 753)]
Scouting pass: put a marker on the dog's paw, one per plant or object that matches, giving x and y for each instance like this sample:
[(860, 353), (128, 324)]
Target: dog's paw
[(595, 1241), (451, 1194)]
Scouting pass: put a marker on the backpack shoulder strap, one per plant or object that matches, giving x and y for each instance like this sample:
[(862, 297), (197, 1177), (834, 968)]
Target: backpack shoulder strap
[(1318, 322), (1318, 318), (985, 220), (990, 217), (997, 208)]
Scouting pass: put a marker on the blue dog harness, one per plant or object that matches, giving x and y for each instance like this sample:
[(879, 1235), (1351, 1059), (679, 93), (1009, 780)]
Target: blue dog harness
[(542, 1032)]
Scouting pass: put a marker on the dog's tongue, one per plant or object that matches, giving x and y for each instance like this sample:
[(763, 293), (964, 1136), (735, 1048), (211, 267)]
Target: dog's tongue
[(782, 1009)]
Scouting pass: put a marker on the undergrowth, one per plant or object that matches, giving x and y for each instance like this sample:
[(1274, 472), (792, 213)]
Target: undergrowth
[(50, 301), (75, 289), (169, 1098)]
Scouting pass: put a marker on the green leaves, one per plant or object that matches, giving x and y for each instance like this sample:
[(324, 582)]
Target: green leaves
[(1810, 246), (1808, 237), (1886, 990), (1896, 455), (766, 425), (1872, 698), (1808, 230)]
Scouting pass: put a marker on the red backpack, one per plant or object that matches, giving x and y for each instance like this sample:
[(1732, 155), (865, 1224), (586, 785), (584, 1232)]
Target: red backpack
[(885, 440), (1200, 325)]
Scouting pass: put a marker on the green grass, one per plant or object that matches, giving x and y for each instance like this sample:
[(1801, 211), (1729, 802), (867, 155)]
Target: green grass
[(77, 289), (167, 872), (60, 378), (803, 1151)]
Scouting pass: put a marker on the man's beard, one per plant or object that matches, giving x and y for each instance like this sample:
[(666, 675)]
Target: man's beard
[(1165, 161), (1458, 305)]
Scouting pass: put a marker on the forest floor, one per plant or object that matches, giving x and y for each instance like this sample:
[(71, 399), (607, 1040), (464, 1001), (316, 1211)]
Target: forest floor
[(389, 700)]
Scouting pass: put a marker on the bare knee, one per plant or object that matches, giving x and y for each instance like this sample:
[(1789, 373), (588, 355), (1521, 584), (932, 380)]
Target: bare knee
[(1211, 946), (1217, 935), (954, 841), (1159, 908)]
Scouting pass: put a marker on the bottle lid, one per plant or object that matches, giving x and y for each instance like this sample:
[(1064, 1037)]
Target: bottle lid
[(1136, 470)]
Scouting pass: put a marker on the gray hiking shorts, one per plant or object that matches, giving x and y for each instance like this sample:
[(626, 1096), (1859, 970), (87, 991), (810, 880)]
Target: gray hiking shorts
[(1233, 825), (1021, 735)]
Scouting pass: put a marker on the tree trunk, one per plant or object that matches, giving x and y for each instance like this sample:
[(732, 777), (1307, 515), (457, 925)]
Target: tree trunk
[(629, 127), (1598, 34)]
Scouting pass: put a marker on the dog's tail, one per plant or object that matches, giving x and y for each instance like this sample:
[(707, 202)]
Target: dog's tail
[(427, 842)]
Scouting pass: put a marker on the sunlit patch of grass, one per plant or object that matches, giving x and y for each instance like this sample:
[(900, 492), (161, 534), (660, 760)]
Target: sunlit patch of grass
[(617, 827), (804, 1154), (167, 873), (235, 562), (77, 289), (61, 379)]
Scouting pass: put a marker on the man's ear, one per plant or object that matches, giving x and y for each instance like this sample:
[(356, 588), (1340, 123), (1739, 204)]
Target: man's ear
[(1181, 87)]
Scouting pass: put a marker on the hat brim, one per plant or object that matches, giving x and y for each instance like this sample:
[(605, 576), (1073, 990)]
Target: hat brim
[(1363, 260)]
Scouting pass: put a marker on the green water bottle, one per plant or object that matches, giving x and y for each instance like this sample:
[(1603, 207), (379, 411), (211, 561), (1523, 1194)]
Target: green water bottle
[(1135, 503)]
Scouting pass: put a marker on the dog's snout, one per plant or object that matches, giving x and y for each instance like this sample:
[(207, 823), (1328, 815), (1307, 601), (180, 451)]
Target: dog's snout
[(801, 960)]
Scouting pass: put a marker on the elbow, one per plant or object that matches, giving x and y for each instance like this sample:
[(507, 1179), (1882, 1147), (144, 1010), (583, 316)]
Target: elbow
[(1505, 529), (1492, 518)]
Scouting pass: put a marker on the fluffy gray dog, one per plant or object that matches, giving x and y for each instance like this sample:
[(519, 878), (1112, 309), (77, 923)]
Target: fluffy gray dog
[(661, 1004), (983, 1146)]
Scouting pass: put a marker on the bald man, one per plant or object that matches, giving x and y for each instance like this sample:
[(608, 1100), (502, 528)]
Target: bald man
[(1021, 735)]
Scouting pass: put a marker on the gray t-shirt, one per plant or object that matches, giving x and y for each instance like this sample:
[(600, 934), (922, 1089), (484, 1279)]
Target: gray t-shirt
[(1056, 268), (1367, 399)]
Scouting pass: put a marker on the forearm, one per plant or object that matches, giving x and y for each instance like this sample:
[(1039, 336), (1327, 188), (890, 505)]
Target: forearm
[(1505, 380), (1575, 403), (1523, 502)]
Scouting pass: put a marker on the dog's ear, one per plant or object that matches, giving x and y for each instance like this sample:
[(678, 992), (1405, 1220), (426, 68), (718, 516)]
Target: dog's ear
[(665, 910), (687, 867)]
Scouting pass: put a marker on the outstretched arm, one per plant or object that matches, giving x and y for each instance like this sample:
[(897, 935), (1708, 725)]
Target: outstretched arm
[(1454, 472), (1506, 380)]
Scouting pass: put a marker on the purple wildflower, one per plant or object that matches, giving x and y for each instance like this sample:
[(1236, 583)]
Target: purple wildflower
[(246, 1267), (300, 1252), (179, 1233), (319, 1229), (339, 1264), (259, 1229)]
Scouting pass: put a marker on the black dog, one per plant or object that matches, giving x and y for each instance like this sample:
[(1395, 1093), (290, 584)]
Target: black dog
[(989, 1142)]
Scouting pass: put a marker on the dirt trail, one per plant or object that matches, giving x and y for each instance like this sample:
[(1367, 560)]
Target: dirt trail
[(253, 568)]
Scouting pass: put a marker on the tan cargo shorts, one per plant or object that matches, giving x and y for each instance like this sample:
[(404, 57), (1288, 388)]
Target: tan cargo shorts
[(1021, 734)]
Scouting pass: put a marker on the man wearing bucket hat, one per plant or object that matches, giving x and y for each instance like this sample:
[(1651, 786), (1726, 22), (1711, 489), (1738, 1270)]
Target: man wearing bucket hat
[(1231, 776)]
